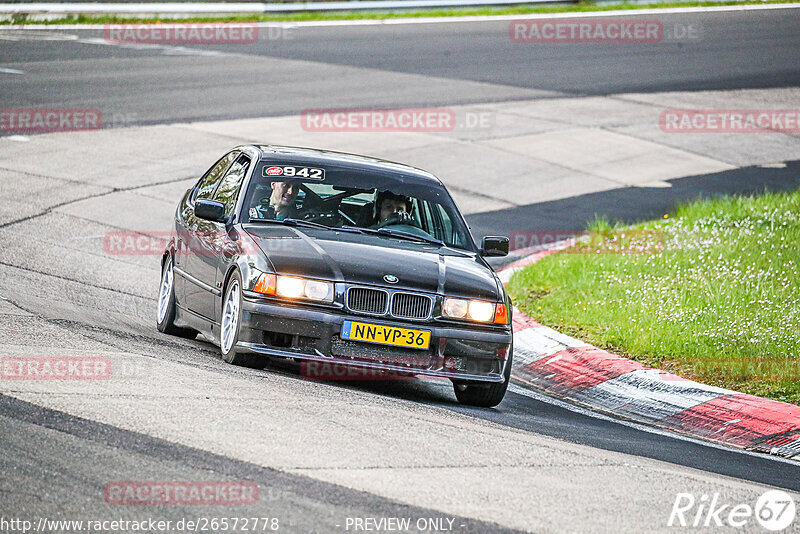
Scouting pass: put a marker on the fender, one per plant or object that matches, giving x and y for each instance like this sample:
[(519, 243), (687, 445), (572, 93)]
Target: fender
[(244, 255)]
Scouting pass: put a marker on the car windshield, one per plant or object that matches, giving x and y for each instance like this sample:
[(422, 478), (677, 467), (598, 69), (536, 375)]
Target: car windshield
[(380, 204)]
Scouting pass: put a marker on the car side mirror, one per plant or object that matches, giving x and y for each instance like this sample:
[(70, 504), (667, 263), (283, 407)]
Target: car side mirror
[(210, 210), (493, 245)]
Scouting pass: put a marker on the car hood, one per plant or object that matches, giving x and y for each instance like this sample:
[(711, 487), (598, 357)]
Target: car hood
[(366, 259)]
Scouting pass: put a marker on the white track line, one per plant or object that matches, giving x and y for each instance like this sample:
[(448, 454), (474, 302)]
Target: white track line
[(449, 20)]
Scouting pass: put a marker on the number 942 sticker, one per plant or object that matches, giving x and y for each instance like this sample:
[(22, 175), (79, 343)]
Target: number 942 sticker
[(311, 173)]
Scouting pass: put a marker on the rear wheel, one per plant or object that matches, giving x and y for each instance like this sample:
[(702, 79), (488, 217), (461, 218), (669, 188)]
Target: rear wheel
[(231, 324), (484, 395), (166, 304)]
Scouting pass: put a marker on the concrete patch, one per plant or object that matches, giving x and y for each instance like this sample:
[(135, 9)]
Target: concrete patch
[(620, 158)]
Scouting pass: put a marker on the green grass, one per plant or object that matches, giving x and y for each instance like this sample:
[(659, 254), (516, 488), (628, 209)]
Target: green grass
[(581, 6), (719, 304)]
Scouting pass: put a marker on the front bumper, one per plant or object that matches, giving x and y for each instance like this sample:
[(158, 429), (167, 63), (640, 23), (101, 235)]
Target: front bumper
[(312, 334)]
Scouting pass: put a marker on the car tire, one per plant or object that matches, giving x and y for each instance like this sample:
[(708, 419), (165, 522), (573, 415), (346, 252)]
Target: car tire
[(165, 313), (230, 325), (482, 395)]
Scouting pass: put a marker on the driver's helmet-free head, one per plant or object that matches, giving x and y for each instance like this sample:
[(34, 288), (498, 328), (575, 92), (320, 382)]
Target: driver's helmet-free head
[(388, 195)]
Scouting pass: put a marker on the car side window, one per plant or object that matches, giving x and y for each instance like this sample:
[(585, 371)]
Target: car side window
[(426, 218), (209, 182), (450, 236), (228, 189), (441, 226)]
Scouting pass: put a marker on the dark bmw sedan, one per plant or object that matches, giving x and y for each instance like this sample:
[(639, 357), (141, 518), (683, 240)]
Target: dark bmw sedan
[(337, 259)]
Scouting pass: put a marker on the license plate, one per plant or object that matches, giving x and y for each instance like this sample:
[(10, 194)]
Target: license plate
[(386, 335)]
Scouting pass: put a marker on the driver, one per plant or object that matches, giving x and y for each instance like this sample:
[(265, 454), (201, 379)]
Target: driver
[(281, 202), (388, 204), (282, 199)]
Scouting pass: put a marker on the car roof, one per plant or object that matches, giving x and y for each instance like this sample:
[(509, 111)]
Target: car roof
[(312, 156)]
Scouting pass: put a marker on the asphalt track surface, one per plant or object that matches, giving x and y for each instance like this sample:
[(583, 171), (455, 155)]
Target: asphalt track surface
[(289, 70), (62, 461)]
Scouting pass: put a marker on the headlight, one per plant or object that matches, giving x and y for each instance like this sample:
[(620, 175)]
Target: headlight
[(455, 308), (475, 310), (316, 290), (481, 311), (294, 287), (290, 287)]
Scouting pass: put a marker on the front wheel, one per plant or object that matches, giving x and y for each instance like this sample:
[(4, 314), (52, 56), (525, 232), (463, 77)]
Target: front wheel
[(166, 304), (231, 324), (484, 395)]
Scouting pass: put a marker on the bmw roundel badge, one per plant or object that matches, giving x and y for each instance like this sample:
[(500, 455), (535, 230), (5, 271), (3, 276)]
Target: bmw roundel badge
[(392, 279)]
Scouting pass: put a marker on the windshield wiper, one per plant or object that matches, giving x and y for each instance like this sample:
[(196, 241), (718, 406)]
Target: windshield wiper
[(353, 229), (399, 234), (410, 236), (306, 224)]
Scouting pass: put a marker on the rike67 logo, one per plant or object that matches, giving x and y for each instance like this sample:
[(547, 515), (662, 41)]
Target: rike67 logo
[(774, 511)]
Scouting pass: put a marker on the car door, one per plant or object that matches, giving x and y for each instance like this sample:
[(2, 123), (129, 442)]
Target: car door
[(188, 246), (211, 238)]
